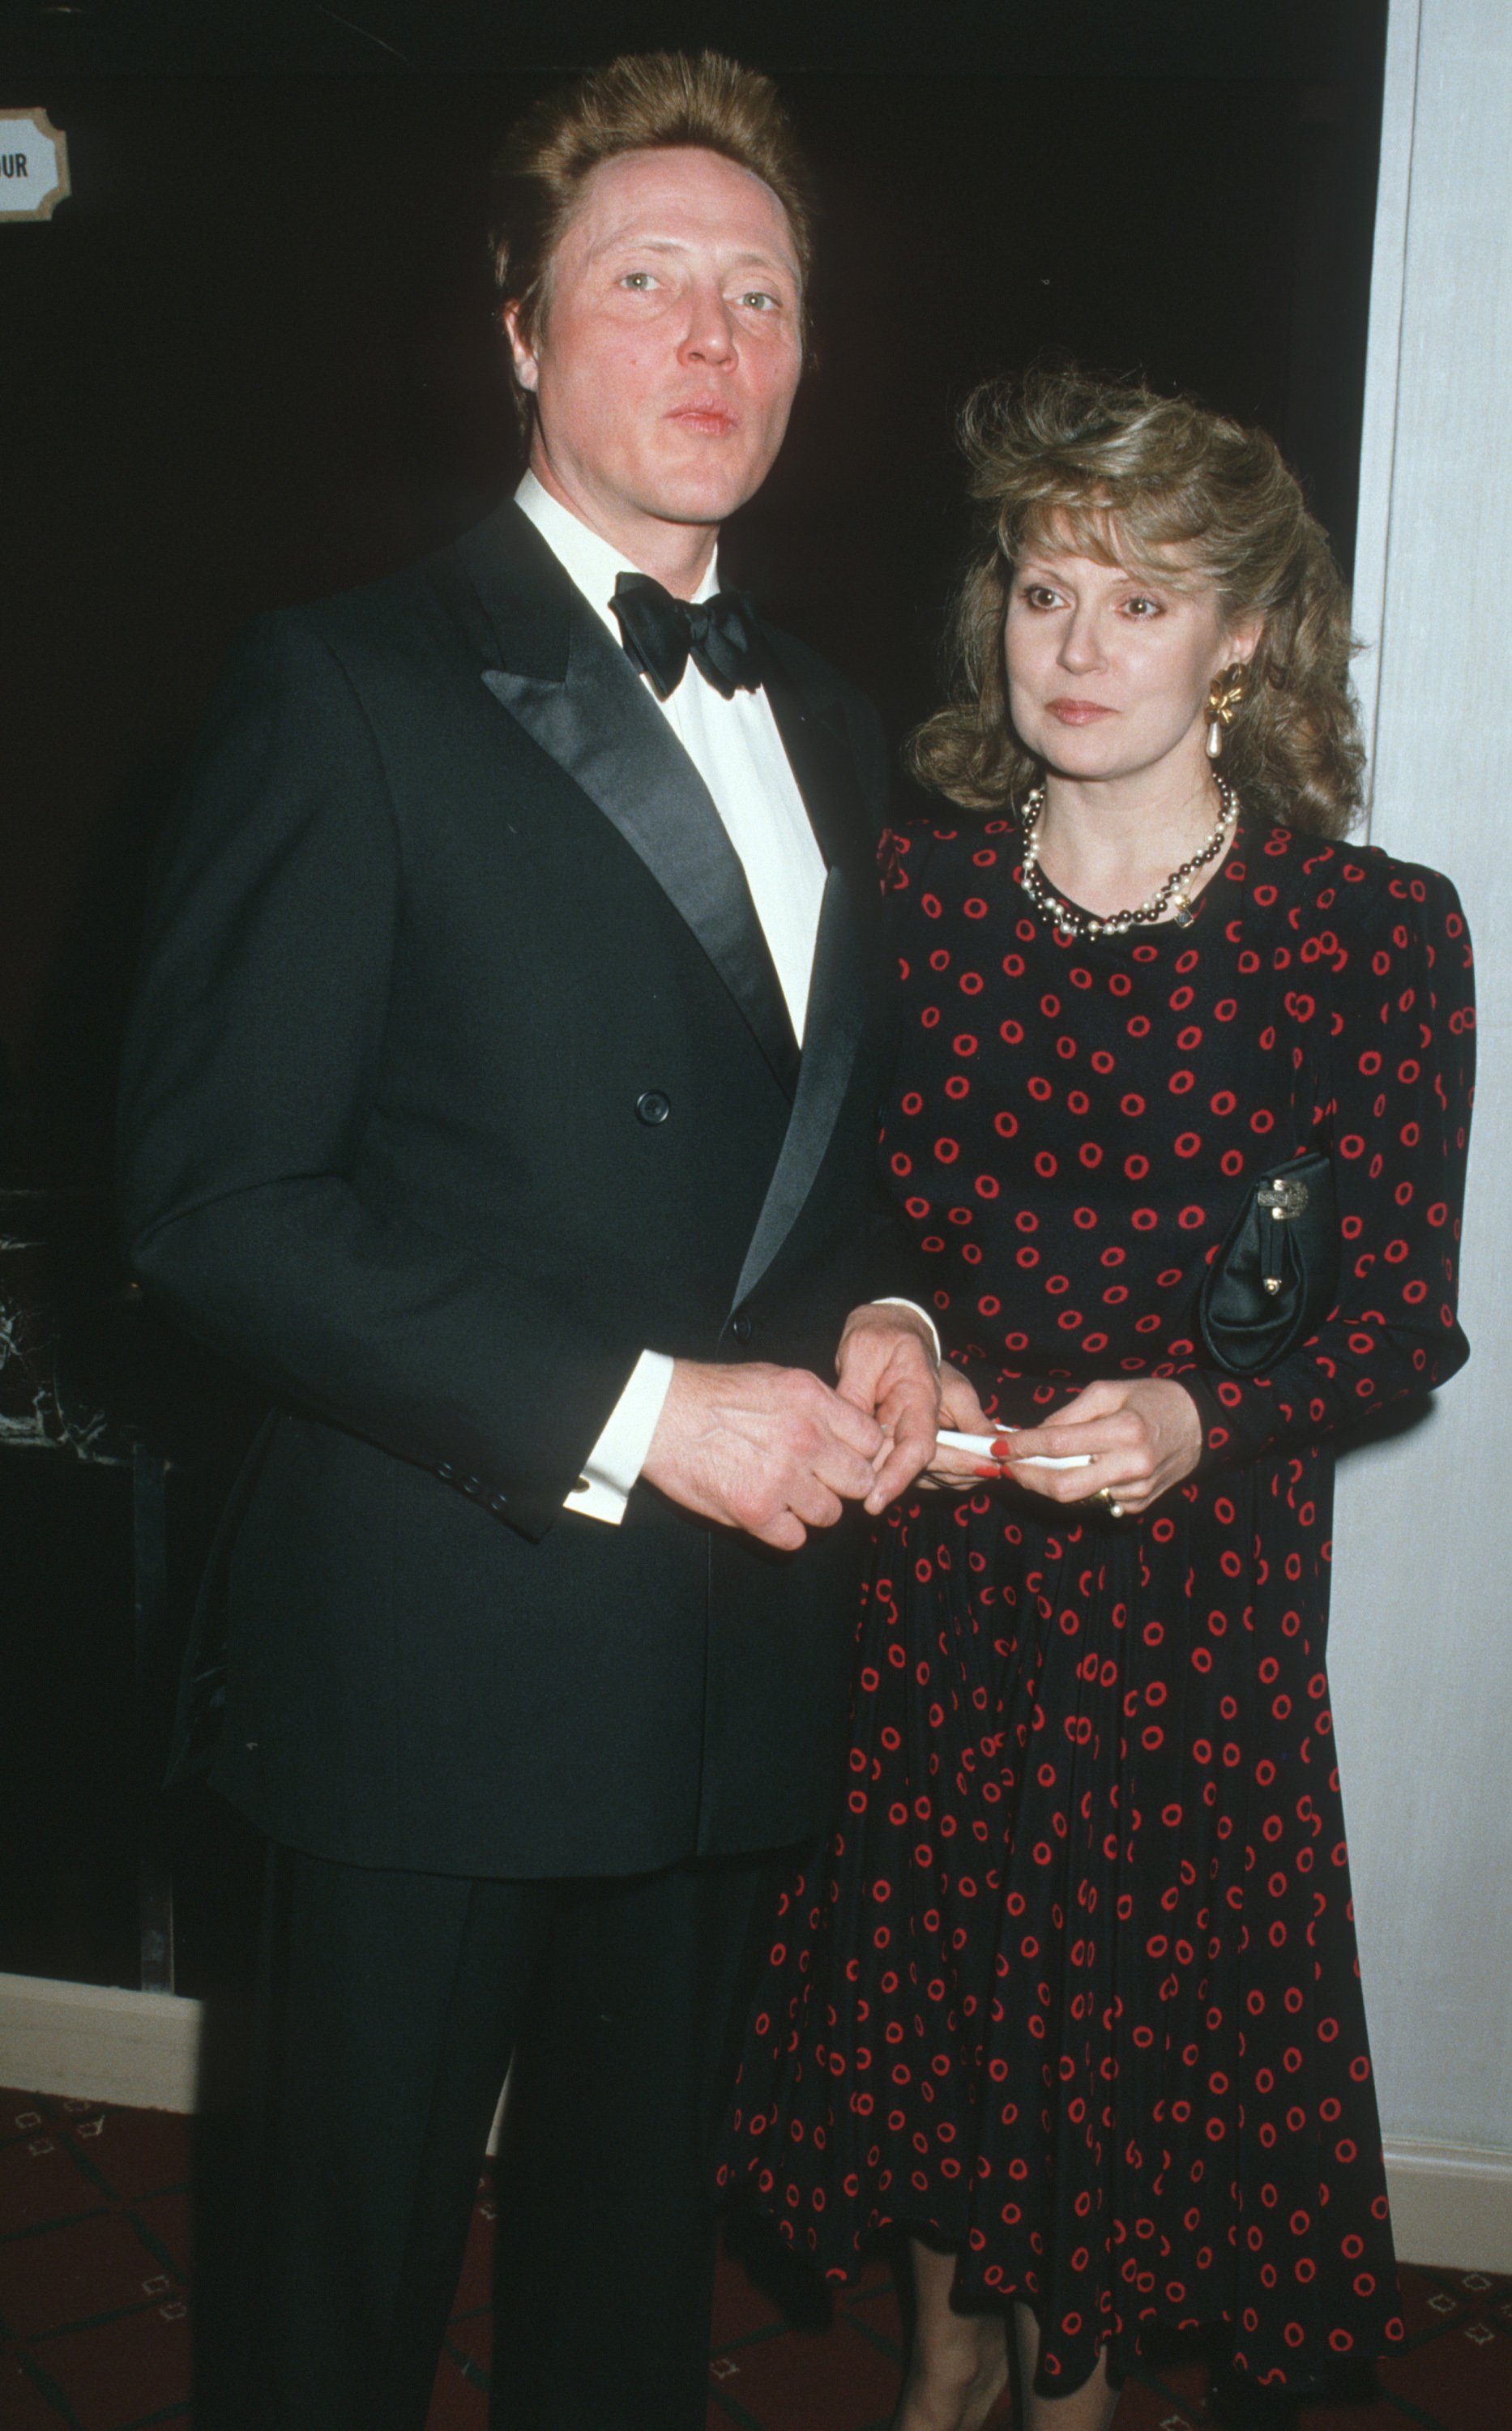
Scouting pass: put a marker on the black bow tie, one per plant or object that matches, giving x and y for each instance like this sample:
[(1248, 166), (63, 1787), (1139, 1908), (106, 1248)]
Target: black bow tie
[(661, 634)]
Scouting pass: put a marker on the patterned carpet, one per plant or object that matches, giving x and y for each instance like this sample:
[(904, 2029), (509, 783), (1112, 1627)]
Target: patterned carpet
[(94, 2313)]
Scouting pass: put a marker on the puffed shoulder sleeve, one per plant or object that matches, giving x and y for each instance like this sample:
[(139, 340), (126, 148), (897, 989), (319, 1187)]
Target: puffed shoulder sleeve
[(1401, 1067)]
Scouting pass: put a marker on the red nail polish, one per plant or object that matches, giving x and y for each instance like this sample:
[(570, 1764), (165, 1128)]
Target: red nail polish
[(1002, 1448), (988, 1472)]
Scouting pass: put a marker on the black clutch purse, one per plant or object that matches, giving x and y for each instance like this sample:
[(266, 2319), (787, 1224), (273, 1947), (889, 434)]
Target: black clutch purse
[(1277, 1272)]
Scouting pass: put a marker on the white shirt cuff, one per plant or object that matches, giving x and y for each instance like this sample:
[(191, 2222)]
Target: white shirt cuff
[(619, 1456), (893, 1300)]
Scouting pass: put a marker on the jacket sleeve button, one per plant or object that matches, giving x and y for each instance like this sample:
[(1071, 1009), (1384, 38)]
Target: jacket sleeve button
[(471, 1484), (653, 1106), (741, 1327), (446, 1472), (497, 1501)]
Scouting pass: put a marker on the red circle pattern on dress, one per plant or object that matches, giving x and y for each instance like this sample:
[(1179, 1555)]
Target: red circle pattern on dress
[(1075, 1984)]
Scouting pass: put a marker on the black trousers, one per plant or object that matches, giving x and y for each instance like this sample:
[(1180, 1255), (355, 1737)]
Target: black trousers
[(391, 2005)]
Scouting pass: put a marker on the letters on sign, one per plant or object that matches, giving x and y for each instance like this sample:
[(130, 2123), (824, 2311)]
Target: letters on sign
[(33, 165)]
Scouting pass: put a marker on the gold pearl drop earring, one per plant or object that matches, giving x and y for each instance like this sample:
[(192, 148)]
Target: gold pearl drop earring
[(1224, 695)]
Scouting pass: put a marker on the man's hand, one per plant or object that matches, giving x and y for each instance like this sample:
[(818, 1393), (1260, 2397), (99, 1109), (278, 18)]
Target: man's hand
[(887, 1367), (961, 1411), (769, 1449)]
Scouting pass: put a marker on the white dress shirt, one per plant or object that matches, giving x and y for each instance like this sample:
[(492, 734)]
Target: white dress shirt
[(737, 750)]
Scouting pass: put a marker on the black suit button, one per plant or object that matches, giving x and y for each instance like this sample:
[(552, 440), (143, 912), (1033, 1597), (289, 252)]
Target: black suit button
[(445, 1471), (496, 1501), (653, 1106), (740, 1327), (470, 1484)]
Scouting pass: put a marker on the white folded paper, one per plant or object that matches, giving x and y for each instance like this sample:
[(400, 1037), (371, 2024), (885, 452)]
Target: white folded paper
[(983, 1444)]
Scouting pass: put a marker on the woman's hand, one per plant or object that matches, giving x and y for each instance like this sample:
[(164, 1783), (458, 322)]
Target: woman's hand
[(1144, 1436), (961, 1411)]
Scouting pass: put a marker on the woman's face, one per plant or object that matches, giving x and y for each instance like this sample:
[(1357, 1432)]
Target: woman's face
[(1109, 671)]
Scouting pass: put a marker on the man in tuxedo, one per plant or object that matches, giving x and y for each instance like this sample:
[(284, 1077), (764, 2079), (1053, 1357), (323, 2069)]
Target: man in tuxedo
[(500, 1093)]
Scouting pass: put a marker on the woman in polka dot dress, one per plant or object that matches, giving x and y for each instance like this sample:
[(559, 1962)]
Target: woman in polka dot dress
[(1072, 1995)]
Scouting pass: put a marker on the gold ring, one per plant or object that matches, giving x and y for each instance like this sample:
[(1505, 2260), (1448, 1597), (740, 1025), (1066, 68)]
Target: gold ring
[(1104, 1494)]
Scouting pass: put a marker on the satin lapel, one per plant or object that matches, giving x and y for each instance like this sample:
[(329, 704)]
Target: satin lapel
[(601, 727), (831, 1033)]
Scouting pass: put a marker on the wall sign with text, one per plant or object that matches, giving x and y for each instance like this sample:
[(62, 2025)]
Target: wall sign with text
[(33, 165)]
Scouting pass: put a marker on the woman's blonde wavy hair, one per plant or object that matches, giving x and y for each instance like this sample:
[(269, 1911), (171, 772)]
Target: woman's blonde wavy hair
[(1115, 471)]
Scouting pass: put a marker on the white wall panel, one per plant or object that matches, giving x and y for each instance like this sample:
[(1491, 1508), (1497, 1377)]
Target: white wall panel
[(1421, 1653)]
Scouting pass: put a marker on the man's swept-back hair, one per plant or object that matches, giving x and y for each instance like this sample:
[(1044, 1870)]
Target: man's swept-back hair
[(644, 103), (1114, 471)]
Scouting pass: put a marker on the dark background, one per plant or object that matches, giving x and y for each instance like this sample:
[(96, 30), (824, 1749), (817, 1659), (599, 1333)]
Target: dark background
[(251, 361)]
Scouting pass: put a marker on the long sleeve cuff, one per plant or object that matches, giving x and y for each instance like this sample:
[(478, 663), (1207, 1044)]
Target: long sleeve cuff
[(617, 1458), (893, 1299)]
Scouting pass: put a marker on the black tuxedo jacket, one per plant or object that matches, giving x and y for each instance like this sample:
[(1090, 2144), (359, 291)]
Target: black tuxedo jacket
[(459, 1074)]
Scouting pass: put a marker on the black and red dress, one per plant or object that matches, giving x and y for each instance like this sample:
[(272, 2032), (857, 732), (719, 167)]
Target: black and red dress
[(1074, 1986)]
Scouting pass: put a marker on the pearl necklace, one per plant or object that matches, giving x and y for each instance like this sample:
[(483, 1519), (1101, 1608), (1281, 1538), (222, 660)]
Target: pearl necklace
[(1071, 922)]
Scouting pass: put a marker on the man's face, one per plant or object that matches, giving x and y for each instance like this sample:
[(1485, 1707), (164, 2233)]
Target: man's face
[(669, 349)]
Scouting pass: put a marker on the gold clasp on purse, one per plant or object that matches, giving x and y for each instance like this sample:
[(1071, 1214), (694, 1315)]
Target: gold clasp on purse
[(1286, 1197)]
